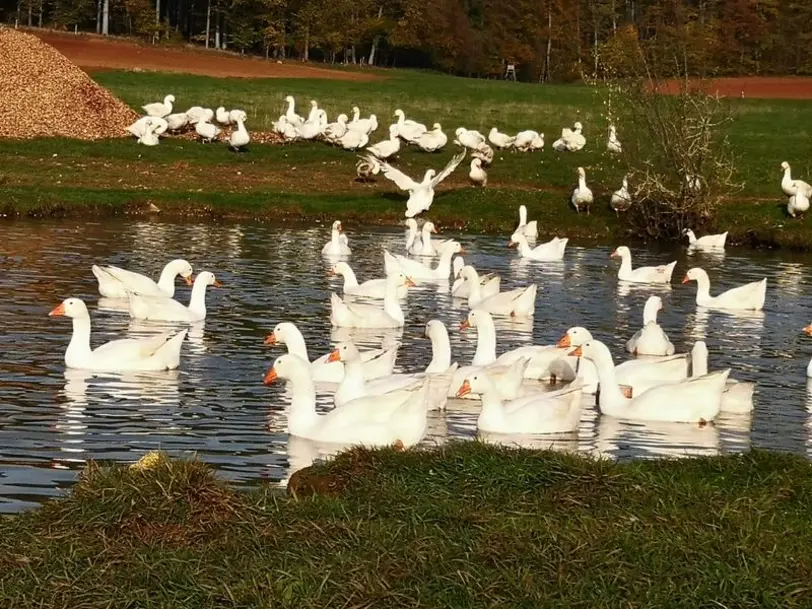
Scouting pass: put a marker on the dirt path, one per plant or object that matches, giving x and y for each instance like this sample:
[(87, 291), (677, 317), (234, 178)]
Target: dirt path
[(777, 87), (92, 52)]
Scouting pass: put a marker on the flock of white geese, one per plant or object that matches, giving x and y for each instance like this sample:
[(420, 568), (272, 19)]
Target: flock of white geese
[(354, 135), (535, 389)]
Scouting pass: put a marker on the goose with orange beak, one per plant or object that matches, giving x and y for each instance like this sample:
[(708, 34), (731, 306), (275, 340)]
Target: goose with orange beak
[(642, 274), (376, 362), (538, 413), (691, 400), (747, 297), (520, 302), (153, 353), (372, 288), (353, 315), (115, 282), (167, 309), (417, 270), (369, 421), (550, 251)]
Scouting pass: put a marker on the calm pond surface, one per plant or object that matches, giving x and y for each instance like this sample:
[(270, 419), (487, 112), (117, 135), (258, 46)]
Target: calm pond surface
[(216, 406)]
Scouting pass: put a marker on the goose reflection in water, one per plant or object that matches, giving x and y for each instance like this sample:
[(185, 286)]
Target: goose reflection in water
[(655, 438)]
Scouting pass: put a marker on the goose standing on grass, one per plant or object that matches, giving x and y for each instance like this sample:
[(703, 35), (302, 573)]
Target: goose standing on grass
[(160, 109), (314, 110), (353, 140), (621, 199), (222, 116), (364, 125), (168, 309), (334, 131), (313, 127), (500, 140), (408, 129), (239, 138), (692, 400), (387, 148), (159, 352), (477, 175), (551, 251), (650, 339), (432, 141), (115, 282), (528, 140), (582, 195), (707, 242), (642, 274), (469, 138), (737, 396), (484, 153), (421, 194), (571, 140), (290, 113), (372, 288), (792, 187), (177, 121), (338, 243), (149, 138), (798, 204), (345, 315), (613, 144), (747, 297), (207, 131), (529, 229), (197, 114), (139, 127)]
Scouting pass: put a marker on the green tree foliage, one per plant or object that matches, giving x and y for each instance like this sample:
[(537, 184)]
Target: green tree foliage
[(547, 39)]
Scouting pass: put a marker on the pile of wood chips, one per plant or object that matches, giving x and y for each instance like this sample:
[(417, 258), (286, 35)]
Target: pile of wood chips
[(43, 94)]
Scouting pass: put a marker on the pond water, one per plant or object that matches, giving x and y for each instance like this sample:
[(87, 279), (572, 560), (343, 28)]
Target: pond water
[(216, 406)]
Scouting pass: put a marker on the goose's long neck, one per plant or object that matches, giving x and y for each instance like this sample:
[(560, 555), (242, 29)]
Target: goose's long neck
[(691, 237), (241, 126), (787, 180), (440, 351), (699, 361), (166, 282), (197, 302), (352, 385), (703, 286), (302, 414), (611, 400), (524, 247), (650, 312), (350, 280), (582, 183), (391, 304), (296, 345), (522, 215), (335, 237), (492, 408), (412, 236), (626, 263), (485, 342), (474, 288), (426, 236), (79, 346), (444, 266)]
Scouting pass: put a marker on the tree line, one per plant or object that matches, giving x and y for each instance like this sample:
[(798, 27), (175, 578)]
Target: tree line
[(546, 40)]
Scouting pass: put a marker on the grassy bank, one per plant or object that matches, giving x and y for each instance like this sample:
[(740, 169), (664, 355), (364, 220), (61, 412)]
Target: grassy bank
[(466, 526), (284, 183)]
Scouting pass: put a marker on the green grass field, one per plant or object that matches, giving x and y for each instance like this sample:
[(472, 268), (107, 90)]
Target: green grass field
[(460, 527), (59, 176)]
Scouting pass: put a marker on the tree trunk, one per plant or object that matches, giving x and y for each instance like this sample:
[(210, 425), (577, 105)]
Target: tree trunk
[(39, 21), (98, 15), (375, 41), (106, 18), (30, 13), (549, 43), (157, 20), (306, 56), (217, 32), (208, 23), (614, 18)]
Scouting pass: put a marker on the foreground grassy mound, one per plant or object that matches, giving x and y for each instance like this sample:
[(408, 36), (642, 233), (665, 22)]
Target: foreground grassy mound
[(464, 526)]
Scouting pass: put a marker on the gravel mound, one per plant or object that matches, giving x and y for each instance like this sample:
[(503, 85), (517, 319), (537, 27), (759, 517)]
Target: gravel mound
[(43, 94)]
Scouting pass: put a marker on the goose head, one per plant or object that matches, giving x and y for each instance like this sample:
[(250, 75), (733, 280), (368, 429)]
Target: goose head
[(784, 165), (393, 132), (399, 113), (518, 238), (339, 269), (344, 352), (411, 223), (437, 127), (183, 268), (169, 99), (428, 227), (337, 226), (474, 318), (434, 326), (460, 131), (342, 118), (621, 252), (494, 131), (70, 307), (477, 383), (578, 127), (695, 274), (289, 99), (313, 104), (593, 350), (281, 333), (287, 367), (207, 278), (581, 173), (574, 337), (430, 173)]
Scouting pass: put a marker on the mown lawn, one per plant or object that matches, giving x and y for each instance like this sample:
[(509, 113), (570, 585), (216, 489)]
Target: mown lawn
[(468, 525)]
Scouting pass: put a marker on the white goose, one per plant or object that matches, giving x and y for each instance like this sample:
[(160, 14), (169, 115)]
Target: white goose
[(477, 175), (338, 243), (314, 110), (432, 141), (416, 269), (314, 126), (139, 127), (500, 140), (643, 274), (798, 204), (571, 140), (347, 315), (550, 251), (115, 282), (372, 288), (177, 121), (427, 246), (207, 131), (197, 114), (414, 242), (469, 138), (793, 187), (528, 140), (160, 109), (334, 131), (239, 138), (738, 396), (520, 302), (749, 296), (364, 125), (650, 339), (408, 129), (377, 362), (387, 148), (582, 196), (539, 413), (149, 138), (168, 309), (621, 199), (613, 144), (808, 331), (638, 374), (160, 352), (290, 113), (484, 153), (490, 283), (353, 140), (529, 229), (421, 194), (354, 385), (692, 400), (706, 242), (372, 421)]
